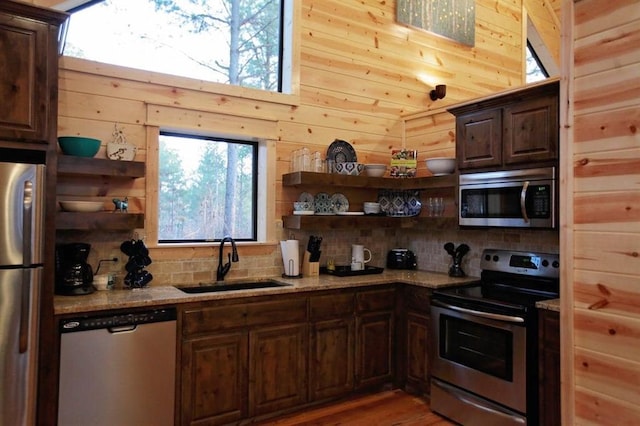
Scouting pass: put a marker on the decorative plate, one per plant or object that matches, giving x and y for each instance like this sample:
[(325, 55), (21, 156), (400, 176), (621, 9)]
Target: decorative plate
[(119, 148), (351, 213), (339, 202), (121, 151), (323, 203), (341, 152), (305, 197)]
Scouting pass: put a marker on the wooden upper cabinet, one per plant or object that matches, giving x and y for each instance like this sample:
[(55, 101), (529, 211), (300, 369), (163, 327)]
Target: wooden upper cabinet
[(515, 128), (531, 130), (28, 72), (479, 139)]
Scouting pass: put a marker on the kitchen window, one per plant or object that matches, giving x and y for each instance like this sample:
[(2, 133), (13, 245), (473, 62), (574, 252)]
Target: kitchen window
[(207, 188), (238, 42)]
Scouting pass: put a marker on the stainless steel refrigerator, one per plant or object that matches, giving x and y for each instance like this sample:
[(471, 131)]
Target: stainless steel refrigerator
[(21, 258)]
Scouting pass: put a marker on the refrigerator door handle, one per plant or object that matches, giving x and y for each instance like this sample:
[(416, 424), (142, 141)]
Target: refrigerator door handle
[(25, 315), (27, 223)]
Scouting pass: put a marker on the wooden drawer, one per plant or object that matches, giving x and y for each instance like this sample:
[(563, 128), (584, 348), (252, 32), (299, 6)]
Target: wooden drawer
[(336, 305), (279, 311), (205, 320), (376, 300)]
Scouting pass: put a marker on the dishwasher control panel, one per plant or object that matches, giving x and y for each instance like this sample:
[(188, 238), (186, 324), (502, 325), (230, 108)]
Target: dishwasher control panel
[(117, 320)]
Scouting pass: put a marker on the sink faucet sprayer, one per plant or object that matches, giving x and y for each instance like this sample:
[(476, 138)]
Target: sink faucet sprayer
[(233, 257)]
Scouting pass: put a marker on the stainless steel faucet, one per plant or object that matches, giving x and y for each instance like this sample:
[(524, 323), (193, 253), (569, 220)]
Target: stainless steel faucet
[(233, 257)]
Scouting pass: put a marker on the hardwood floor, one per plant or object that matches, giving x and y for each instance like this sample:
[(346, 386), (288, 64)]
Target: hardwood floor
[(391, 408)]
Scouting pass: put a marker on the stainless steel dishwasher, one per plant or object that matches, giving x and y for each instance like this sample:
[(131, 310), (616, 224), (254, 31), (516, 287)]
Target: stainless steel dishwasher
[(118, 369)]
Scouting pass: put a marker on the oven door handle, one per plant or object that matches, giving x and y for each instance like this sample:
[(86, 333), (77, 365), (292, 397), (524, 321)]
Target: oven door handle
[(489, 315), (523, 201)]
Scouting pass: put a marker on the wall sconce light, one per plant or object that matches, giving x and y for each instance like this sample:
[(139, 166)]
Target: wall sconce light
[(438, 93)]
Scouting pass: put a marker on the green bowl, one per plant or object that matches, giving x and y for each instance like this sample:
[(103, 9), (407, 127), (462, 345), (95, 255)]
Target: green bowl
[(79, 146)]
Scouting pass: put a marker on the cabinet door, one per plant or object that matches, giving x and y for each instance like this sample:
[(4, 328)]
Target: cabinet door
[(25, 106), (479, 139), (277, 372), (374, 349), (214, 379), (331, 358), (531, 130), (417, 355), (549, 367)]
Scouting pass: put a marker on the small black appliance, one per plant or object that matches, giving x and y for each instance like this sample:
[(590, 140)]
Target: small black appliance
[(74, 275), (401, 258)]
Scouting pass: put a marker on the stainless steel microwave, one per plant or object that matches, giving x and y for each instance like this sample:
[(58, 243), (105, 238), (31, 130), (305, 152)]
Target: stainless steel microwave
[(514, 198)]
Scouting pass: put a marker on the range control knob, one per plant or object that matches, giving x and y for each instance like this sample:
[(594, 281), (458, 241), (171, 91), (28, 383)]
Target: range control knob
[(555, 264), (545, 263), (496, 258), (487, 257)]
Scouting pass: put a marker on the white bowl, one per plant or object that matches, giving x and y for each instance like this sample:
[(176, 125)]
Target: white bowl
[(375, 170), (348, 168), (441, 165), (82, 206), (371, 208)]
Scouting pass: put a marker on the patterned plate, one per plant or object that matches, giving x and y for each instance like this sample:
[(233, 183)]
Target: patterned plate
[(340, 203), (341, 152), (305, 197), (323, 203)]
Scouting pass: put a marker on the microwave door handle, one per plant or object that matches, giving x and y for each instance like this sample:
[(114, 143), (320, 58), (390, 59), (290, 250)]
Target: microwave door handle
[(523, 201)]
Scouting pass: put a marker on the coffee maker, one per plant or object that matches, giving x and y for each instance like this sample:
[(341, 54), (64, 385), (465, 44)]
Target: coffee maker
[(74, 275)]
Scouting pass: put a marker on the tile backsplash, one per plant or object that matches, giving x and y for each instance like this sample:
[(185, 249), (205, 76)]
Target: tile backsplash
[(427, 244)]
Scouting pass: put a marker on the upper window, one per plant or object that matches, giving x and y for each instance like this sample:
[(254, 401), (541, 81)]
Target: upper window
[(207, 189), (535, 69), (238, 42)]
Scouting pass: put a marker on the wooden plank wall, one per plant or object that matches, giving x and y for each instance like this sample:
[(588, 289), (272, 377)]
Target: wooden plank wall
[(360, 72), (606, 204)]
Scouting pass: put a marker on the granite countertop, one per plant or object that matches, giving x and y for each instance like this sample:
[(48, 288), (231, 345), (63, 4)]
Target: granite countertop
[(550, 305), (169, 295)]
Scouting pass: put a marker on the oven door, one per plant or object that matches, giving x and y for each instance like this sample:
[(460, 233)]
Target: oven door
[(482, 353), (520, 198)]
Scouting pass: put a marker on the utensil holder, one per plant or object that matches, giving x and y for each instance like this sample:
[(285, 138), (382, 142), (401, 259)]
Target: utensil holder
[(309, 269)]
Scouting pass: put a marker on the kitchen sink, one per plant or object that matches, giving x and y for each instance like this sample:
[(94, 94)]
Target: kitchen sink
[(214, 288)]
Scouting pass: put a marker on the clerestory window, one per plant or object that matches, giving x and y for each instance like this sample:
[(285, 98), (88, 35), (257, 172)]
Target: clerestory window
[(237, 42), (208, 189)]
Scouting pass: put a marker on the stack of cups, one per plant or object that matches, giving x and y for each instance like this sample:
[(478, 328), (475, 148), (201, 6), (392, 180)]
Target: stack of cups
[(436, 206), (302, 160)]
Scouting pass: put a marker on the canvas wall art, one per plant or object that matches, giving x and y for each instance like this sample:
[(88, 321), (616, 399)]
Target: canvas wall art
[(454, 19)]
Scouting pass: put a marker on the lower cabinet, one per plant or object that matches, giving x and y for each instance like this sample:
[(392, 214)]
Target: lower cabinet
[(214, 379), (414, 336), (277, 368), (331, 345), (375, 336), (253, 357), (549, 367), (242, 360)]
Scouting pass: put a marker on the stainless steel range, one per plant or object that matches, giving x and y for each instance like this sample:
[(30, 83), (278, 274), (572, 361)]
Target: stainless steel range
[(485, 369)]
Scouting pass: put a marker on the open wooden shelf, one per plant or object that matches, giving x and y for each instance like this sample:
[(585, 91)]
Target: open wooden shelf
[(344, 222), (333, 179), (72, 165), (106, 221)]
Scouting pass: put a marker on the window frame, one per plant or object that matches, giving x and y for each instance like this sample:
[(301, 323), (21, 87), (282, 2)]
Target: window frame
[(255, 179), (288, 80)]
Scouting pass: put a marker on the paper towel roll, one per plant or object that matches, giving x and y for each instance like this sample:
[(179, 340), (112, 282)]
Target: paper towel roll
[(290, 257)]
